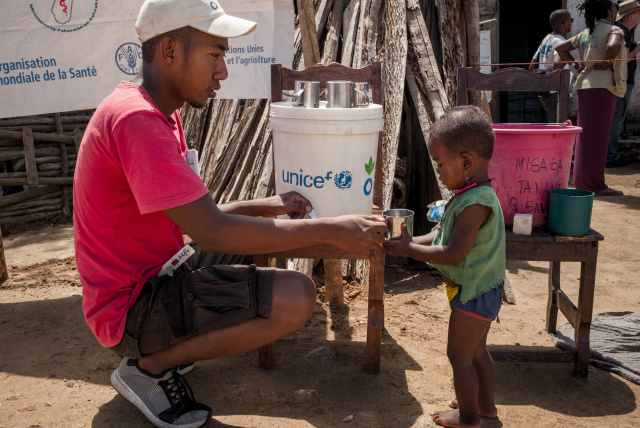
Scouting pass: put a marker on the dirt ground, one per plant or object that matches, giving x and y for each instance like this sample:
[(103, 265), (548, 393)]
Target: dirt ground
[(54, 374)]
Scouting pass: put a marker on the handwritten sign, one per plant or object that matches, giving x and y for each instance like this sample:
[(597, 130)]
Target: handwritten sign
[(535, 176)]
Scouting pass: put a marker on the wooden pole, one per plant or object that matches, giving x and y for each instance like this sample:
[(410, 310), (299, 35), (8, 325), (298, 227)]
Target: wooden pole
[(349, 27), (361, 36), (426, 61), (333, 290), (77, 138), (310, 49), (395, 67), (4, 274), (66, 209), (333, 35), (472, 25), (452, 52), (30, 156)]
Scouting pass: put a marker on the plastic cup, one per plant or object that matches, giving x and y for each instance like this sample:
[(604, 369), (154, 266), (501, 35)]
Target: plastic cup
[(570, 211)]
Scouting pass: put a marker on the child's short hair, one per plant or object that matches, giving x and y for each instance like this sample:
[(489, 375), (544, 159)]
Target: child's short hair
[(463, 129)]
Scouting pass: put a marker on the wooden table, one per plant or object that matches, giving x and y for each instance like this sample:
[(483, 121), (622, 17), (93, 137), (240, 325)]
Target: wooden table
[(544, 246)]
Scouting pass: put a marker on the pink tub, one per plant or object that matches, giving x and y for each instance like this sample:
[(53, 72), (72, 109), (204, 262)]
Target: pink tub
[(529, 160)]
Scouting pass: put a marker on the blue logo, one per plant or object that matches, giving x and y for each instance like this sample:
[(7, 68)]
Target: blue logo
[(368, 186), (214, 5), (343, 180), (129, 58)]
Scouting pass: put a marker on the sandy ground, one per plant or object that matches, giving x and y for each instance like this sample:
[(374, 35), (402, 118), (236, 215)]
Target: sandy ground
[(54, 374)]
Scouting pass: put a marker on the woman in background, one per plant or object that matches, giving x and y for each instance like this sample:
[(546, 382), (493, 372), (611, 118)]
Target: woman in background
[(599, 84)]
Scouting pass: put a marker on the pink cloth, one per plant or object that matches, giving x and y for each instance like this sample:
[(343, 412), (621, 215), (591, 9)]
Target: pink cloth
[(131, 166), (595, 112)]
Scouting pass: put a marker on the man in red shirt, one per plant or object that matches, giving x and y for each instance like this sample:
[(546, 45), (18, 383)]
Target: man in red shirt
[(134, 195)]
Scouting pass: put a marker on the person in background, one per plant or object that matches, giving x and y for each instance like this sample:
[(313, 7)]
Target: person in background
[(545, 58), (628, 19), (135, 194), (600, 83), (468, 248)]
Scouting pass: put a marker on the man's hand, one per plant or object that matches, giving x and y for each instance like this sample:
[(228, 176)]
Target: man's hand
[(356, 233), (399, 247), (291, 203)]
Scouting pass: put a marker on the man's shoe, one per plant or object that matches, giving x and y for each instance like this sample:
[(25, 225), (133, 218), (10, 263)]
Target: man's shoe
[(166, 400), (183, 369), (618, 163)]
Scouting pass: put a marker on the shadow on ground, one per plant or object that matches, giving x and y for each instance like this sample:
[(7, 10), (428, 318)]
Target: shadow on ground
[(601, 394)]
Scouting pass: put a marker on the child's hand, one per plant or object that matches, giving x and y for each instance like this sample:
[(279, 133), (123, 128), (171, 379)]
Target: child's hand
[(398, 247)]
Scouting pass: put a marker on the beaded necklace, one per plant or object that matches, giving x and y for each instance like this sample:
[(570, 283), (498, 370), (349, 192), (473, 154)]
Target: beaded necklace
[(470, 186), (464, 189)]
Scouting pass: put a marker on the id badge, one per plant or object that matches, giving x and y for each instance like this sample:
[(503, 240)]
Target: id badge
[(177, 260)]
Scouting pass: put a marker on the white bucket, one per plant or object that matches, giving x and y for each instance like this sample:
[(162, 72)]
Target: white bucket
[(327, 155)]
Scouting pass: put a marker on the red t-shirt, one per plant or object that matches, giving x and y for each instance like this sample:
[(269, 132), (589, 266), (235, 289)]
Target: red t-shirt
[(130, 167)]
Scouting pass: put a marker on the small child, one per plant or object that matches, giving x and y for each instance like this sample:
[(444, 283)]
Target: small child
[(469, 249)]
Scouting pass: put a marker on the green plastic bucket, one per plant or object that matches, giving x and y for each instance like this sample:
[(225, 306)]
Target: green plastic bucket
[(570, 211)]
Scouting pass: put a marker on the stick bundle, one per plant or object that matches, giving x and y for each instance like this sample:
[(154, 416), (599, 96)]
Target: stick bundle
[(37, 161)]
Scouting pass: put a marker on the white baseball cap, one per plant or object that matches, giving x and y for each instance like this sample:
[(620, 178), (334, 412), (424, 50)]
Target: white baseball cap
[(160, 16)]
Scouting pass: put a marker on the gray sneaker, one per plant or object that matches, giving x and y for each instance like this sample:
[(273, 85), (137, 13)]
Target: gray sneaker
[(166, 400), (183, 369)]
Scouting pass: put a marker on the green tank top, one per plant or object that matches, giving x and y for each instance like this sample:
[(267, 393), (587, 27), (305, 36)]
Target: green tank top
[(484, 266)]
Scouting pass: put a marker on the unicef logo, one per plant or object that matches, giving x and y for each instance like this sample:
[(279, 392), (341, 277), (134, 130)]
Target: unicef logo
[(129, 58), (343, 180)]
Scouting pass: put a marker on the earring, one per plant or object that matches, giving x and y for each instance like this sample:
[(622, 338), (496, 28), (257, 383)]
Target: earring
[(466, 178)]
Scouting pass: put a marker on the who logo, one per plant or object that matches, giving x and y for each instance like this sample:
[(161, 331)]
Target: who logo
[(64, 16), (129, 58)]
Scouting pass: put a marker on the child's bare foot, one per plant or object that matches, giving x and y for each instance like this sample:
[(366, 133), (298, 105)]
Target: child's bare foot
[(485, 413), (451, 418)]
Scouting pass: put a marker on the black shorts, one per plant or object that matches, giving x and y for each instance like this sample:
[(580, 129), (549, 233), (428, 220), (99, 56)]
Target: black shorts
[(210, 291)]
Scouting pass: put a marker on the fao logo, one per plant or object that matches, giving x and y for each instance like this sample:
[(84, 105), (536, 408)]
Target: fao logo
[(129, 58), (343, 180)]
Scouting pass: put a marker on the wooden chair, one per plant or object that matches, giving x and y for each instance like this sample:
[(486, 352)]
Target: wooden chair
[(515, 79), (283, 79)]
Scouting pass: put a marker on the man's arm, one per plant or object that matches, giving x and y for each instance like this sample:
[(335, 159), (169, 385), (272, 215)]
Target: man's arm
[(534, 60), (562, 50), (614, 44), (217, 231), (293, 204)]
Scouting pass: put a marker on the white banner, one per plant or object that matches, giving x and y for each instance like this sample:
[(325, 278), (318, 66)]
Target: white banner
[(67, 55)]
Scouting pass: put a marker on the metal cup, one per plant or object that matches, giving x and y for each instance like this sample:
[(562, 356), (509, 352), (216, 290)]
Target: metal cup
[(361, 94), (306, 94), (340, 94), (395, 219)]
